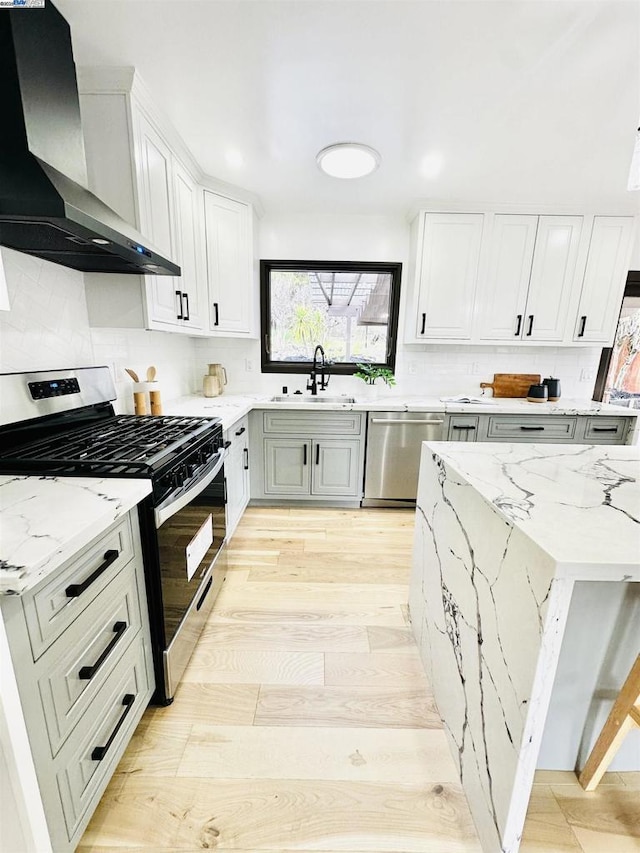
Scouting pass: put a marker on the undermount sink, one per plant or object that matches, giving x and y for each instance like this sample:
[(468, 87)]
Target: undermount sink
[(301, 398)]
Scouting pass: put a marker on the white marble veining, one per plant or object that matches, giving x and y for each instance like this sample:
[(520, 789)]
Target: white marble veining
[(46, 520), (502, 534), (230, 408)]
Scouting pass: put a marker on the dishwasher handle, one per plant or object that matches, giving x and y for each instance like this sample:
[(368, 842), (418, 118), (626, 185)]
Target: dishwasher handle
[(406, 421)]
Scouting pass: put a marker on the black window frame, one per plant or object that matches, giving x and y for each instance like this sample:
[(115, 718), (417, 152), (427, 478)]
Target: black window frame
[(393, 268), (632, 288)]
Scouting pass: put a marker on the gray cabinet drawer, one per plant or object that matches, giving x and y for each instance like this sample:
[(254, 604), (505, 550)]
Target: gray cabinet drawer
[(99, 636), (313, 423), (463, 428), (604, 430), (50, 610), (80, 777), (533, 428)]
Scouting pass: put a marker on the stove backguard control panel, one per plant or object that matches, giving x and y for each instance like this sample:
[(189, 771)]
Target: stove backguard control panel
[(53, 388)]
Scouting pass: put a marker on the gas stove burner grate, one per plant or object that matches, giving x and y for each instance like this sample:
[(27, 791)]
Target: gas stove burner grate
[(124, 445)]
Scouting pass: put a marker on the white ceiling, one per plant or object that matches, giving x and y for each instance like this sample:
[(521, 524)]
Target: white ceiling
[(535, 101)]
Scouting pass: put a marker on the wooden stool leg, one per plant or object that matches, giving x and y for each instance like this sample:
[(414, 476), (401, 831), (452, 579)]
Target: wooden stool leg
[(623, 717)]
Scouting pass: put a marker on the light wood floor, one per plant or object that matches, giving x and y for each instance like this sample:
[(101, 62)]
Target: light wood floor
[(305, 722)]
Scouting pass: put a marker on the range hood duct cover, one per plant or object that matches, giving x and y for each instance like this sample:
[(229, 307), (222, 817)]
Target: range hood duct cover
[(45, 208)]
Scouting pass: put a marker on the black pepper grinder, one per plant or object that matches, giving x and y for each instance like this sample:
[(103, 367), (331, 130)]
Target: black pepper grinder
[(553, 386)]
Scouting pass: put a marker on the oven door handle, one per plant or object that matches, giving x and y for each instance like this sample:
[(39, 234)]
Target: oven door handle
[(164, 512)]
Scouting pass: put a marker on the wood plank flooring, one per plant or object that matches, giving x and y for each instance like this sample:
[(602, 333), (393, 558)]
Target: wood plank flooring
[(305, 722)]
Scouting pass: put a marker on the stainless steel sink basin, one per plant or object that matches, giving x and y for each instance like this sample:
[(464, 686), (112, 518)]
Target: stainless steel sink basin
[(301, 398)]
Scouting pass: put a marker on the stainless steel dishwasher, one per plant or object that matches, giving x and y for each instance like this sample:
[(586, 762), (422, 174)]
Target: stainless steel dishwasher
[(394, 440)]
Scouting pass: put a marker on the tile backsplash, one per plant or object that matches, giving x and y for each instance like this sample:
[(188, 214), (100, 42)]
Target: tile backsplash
[(47, 327)]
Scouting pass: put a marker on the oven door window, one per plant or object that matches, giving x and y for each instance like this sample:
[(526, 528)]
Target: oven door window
[(187, 550)]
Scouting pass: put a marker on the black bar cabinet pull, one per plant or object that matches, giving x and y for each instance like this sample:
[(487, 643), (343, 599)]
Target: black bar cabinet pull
[(76, 589), (246, 459), (583, 323), (519, 326), (304, 454), (216, 322), (204, 594), (317, 454), (180, 315), (530, 325), (87, 672), (99, 752), (226, 444), (532, 429), (605, 429), (241, 430), (424, 324), (185, 315), (463, 426)]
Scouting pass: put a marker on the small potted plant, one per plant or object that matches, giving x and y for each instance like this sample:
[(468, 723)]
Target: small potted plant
[(369, 373)]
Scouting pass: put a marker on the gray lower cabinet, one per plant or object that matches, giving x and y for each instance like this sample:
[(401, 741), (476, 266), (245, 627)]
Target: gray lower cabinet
[(543, 428), (81, 653), (236, 471), (307, 456)]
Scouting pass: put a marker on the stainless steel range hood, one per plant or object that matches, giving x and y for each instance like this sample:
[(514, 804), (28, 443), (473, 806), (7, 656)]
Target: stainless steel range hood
[(45, 208)]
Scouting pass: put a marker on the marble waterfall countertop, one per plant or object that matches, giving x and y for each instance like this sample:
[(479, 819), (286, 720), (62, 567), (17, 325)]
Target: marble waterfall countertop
[(503, 533), (231, 407), (46, 520), (579, 503)]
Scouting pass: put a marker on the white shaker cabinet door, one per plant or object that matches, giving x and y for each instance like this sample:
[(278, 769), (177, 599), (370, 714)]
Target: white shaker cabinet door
[(604, 278), (448, 275), (187, 196), (155, 195), (228, 246), (552, 278), (287, 466), (502, 299), (336, 465)]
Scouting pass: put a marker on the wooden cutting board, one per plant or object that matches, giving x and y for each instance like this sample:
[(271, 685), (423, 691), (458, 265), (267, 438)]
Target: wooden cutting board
[(511, 384)]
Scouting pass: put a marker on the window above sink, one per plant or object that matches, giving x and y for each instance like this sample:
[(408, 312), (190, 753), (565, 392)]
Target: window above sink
[(350, 308)]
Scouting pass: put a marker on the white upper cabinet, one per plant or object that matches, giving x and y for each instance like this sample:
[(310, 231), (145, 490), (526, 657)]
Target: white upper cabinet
[(447, 259), (530, 275), (190, 288), (604, 279), (552, 278), (502, 300), (228, 230), (139, 165)]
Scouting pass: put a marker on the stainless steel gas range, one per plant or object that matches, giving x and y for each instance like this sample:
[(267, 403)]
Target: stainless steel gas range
[(61, 423)]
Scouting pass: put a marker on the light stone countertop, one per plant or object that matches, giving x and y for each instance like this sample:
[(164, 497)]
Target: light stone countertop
[(46, 520), (579, 503), (231, 407)]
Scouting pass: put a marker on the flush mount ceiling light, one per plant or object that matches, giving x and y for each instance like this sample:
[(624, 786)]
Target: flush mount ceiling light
[(348, 160)]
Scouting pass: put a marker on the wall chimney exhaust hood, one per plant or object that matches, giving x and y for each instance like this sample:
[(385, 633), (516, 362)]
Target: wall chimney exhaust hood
[(45, 208)]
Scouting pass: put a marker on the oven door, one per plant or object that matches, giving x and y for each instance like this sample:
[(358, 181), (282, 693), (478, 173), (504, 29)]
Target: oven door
[(191, 549)]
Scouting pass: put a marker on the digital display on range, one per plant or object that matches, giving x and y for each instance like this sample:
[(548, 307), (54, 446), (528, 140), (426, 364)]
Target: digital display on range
[(53, 388)]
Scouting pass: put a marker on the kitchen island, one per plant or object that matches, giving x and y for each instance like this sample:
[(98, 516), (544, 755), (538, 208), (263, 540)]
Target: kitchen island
[(505, 536)]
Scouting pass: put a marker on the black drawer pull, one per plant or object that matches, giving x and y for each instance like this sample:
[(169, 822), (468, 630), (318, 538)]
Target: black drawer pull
[(216, 322), (99, 752), (463, 426), (424, 323), (519, 326), (241, 430), (204, 594), (186, 315), (605, 429), (76, 589), (246, 459), (317, 454), (87, 672), (534, 429), (180, 315), (530, 325), (304, 454), (583, 323)]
